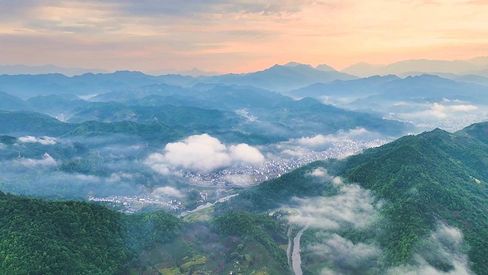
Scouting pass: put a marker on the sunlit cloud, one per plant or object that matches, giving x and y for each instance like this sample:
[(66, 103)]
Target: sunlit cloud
[(243, 35)]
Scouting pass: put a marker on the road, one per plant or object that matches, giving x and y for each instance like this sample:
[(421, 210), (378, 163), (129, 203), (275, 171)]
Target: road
[(296, 260)]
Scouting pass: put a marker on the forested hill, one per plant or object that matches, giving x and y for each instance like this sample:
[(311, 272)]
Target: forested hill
[(40, 237), (55, 237), (423, 180), (435, 176)]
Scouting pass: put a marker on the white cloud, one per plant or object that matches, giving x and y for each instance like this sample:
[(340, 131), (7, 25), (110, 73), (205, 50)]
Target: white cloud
[(42, 140), (86, 178), (239, 180), (352, 206), (45, 161), (444, 245), (245, 153), (450, 115), (344, 255), (120, 176), (202, 153), (167, 191), (339, 137), (340, 144), (247, 115), (320, 173), (438, 110)]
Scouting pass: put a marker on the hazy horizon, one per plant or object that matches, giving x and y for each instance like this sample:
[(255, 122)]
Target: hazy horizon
[(77, 70), (237, 36)]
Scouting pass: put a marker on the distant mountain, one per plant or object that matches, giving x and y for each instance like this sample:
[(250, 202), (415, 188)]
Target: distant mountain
[(235, 113), (44, 69), (36, 124), (18, 123), (345, 88), (11, 103), (61, 106), (132, 94), (25, 86), (470, 78), (151, 127), (431, 86), (384, 88), (325, 68), (282, 77), (267, 112), (278, 77), (477, 66), (182, 118)]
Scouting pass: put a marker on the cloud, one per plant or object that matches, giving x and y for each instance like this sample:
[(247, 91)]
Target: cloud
[(440, 110), (42, 140), (351, 206), (450, 115), (341, 144), (445, 245), (246, 154), (322, 173), (202, 153), (344, 256), (239, 179), (194, 24), (34, 10), (437, 110), (45, 161), (196, 7), (244, 113), (120, 176), (339, 137), (167, 191)]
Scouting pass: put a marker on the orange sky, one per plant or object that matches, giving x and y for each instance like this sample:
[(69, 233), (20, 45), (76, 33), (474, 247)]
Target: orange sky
[(237, 35)]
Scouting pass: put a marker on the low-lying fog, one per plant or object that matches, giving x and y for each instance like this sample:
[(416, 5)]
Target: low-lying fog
[(132, 175)]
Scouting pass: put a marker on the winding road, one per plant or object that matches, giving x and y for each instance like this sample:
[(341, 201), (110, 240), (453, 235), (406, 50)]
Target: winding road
[(295, 259)]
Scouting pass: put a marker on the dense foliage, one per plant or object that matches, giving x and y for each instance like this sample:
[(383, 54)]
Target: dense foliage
[(39, 237), (59, 237), (255, 227), (435, 176)]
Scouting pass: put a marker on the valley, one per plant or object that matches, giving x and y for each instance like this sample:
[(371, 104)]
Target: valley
[(243, 137), (218, 178)]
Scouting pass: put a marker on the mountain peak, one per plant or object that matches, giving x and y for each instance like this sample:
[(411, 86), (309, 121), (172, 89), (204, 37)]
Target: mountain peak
[(296, 64), (325, 68)]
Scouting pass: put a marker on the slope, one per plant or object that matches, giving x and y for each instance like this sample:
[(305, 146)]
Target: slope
[(435, 176)]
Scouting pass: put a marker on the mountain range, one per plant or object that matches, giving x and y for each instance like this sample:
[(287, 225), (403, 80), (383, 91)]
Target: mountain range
[(422, 182), (278, 77), (267, 172), (474, 66)]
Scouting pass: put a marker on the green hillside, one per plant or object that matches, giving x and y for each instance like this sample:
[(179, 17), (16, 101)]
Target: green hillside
[(426, 178), (59, 237), (421, 180), (54, 237)]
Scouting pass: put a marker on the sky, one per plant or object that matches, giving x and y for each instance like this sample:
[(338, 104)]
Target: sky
[(237, 35)]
